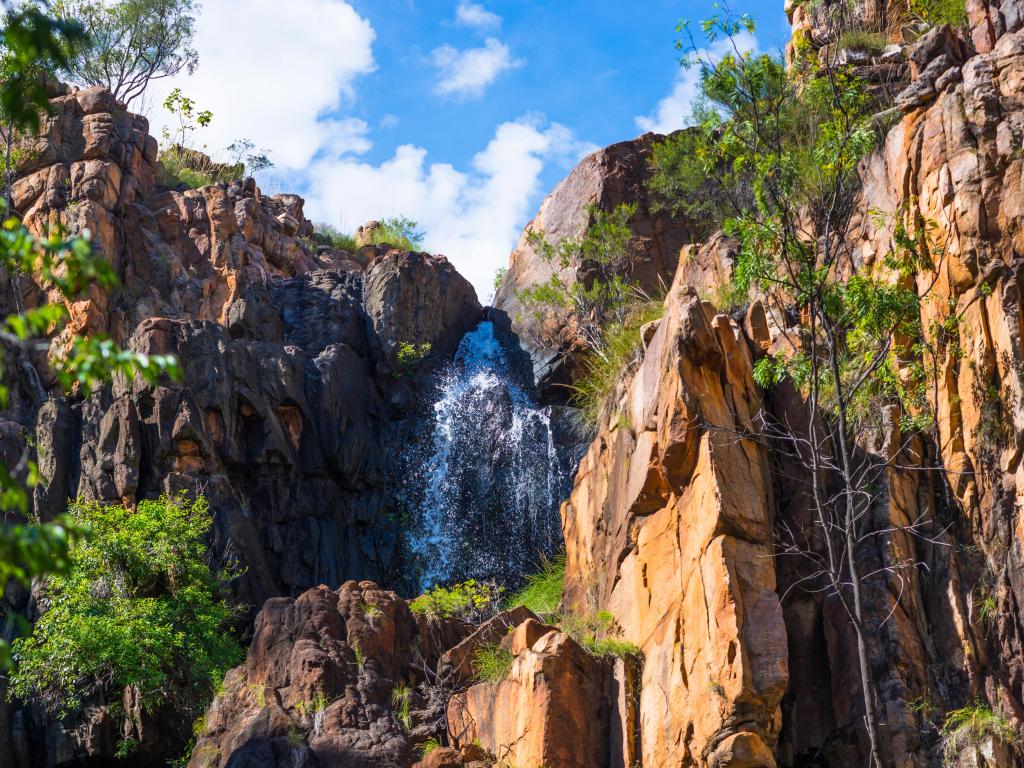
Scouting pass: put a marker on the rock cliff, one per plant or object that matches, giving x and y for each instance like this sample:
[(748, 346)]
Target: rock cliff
[(293, 402), (294, 407)]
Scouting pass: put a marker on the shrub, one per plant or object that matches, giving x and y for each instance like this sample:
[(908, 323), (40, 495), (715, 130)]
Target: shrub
[(408, 358), (597, 300), (429, 746), (619, 353), (972, 725), (139, 606), (175, 170), (938, 12), (492, 662), (543, 591), (400, 232), (469, 601), (332, 237), (597, 632)]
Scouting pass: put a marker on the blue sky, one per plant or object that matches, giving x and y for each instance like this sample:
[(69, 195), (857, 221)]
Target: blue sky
[(460, 114)]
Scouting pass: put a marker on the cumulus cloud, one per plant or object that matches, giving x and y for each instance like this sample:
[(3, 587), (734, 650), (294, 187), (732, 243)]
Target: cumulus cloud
[(468, 73), (476, 16), (270, 75), (675, 110), (473, 216)]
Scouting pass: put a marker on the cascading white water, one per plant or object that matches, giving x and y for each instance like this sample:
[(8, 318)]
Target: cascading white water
[(492, 474)]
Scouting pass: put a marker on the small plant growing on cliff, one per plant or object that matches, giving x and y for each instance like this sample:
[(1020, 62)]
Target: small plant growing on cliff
[(430, 745), (332, 237), (399, 231), (139, 607), (542, 593), (971, 726), (492, 663), (601, 298), (408, 358), (401, 701), (470, 601)]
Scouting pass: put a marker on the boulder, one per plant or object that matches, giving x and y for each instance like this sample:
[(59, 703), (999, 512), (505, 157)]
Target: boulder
[(552, 708)]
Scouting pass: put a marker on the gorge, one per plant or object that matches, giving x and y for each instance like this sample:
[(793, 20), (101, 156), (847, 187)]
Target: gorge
[(365, 431)]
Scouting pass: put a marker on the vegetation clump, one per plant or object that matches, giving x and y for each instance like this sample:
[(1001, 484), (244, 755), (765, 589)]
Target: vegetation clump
[(138, 607), (492, 663), (597, 632), (470, 601), (332, 237), (398, 231), (971, 726), (409, 357), (542, 592)]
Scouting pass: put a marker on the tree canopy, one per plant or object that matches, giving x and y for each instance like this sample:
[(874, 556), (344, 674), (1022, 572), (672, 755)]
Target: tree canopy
[(130, 43)]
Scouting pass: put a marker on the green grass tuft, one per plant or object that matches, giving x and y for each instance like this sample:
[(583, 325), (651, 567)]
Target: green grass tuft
[(543, 591), (860, 40), (971, 726), (429, 746), (332, 237), (491, 663), (399, 231), (619, 355)]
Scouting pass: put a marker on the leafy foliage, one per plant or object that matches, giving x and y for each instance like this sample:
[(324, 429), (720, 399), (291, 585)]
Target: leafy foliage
[(137, 606), (492, 662), (131, 42), (470, 601), (938, 12), (429, 746), (601, 294), (243, 153), (409, 357), (598, 632)]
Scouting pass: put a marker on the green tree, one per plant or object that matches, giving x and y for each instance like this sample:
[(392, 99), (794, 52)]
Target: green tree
[(599, 292), (131, 42), (789, 141), (137, 607)]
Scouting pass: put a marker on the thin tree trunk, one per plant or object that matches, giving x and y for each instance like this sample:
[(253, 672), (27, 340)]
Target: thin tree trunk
[(850, 530)]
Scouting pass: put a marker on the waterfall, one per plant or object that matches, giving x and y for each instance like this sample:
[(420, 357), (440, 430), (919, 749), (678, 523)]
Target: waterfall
[(493, 471)]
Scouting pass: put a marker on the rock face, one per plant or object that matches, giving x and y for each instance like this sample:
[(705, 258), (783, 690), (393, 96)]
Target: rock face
[(608, 178), (317, 688), (669, 528), (291, 408), (551, 709)]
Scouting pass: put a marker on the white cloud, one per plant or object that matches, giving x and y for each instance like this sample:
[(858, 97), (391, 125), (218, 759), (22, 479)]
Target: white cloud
[(475, 15), (675, 110), (474, 217), (467, 73), (270, 74)]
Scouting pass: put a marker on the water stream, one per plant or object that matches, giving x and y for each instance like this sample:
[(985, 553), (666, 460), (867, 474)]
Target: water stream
[(493, 471)]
